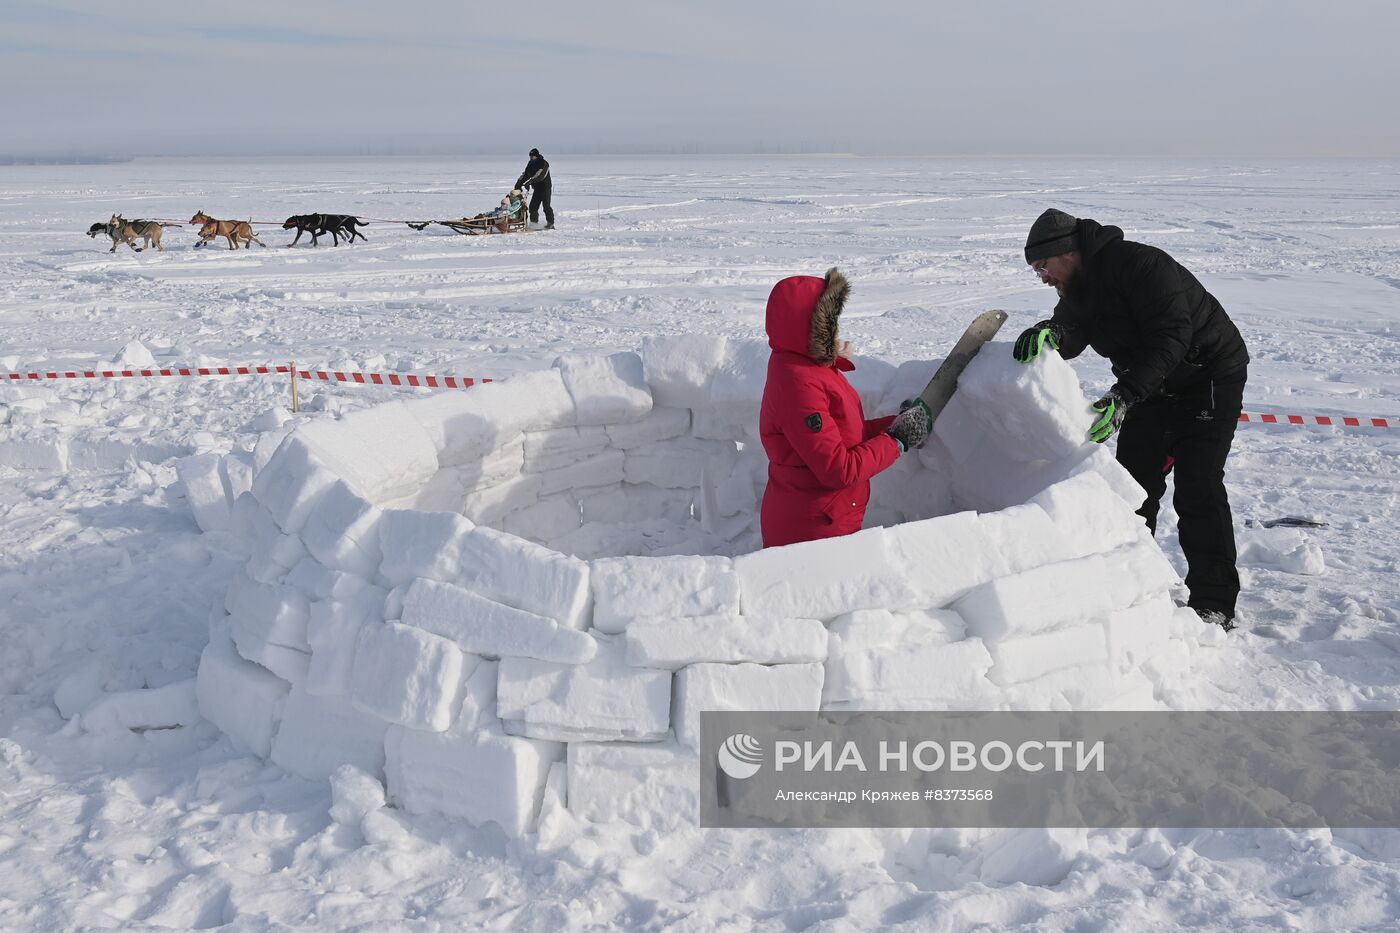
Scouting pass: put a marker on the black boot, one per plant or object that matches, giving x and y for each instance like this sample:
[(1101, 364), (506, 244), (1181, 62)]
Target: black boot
[(1216, 617)]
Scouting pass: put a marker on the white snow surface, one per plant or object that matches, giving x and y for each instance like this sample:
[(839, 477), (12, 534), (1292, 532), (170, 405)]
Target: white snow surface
[(119, 810)]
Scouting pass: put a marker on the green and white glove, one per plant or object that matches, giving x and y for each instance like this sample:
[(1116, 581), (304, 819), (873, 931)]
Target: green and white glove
[(1112, 409), (1034, 338)]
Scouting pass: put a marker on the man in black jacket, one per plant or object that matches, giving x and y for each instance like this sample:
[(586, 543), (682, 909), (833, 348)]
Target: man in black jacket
[(1180, 365), (536, 176)]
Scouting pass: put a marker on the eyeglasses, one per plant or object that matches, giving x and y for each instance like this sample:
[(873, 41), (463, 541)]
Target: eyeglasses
[(1039, 268)]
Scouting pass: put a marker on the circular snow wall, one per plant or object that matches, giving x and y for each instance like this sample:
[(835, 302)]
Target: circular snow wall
[(528, 590)]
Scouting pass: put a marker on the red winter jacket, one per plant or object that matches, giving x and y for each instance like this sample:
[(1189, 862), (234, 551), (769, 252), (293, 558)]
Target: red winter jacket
[(821, 450)]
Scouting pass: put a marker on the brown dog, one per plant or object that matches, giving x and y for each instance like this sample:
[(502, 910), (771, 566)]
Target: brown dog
[(235, 231)]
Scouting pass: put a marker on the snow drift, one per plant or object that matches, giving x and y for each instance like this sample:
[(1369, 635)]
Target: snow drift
[(545, 580)]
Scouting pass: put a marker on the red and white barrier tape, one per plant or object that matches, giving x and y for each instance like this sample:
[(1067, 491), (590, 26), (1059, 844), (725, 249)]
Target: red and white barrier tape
[(465, 382), (378, 379), (1327, 421)]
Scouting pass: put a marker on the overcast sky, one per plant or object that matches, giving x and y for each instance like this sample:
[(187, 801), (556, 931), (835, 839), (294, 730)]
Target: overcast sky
[(1181, 77)]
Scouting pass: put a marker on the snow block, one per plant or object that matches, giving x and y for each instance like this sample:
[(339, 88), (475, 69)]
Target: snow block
[(1028, 411), (910, 491), (626, 588), (542, 444), (270, 612), (1069, 688), (266, 448), (205, 490), (670, 465), (290, 484), (1138, 572), (673, 642), (482, 776), (320, 582), (601, 470), (489, 504), (824, 579), (342, 531), (918, 660), (465, 425), (871, 379), (1024, 537), (602, 700), (907, 381), (709, 424), (408, 676), (944, 557), (1027, 657), (482, 626), (725, 687), (1140, 632), (733, 485), (654, 787), (448, 487), (287, 663), (551, 517), (606, 388), (1049, 597), (736, 386), (422, 544), (333, 631), (479, 700), (237, 470), (252, 524), (526, 576), (276, 557), (164, 707), (241, 698), (1089, 514), (1101, 461), (33, 453), (638, 502), (679, 369), (1134, 694), (661, 425), (381, 451), (319, 734)]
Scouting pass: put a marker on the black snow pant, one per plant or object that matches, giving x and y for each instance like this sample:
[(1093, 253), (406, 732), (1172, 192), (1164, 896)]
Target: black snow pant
[(1191, 436), (540, 198)]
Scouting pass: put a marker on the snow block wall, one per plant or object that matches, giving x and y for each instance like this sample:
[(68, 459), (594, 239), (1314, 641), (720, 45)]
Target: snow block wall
[(545, 580)]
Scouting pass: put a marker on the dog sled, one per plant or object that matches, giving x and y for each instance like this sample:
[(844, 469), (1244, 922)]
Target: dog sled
[(512, 216)]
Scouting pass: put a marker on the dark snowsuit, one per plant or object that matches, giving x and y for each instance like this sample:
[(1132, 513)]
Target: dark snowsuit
[(1181, 364), (821, 450), (536, 176)]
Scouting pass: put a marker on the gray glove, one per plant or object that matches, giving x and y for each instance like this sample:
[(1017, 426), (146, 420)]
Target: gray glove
[(912, 424)]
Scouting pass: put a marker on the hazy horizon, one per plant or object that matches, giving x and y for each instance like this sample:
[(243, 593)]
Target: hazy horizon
[(1000, 78)]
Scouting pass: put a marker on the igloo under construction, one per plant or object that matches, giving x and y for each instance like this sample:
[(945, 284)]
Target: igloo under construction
[(544, 581)]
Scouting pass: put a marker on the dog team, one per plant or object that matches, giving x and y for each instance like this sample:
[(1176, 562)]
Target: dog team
[(236, 232)]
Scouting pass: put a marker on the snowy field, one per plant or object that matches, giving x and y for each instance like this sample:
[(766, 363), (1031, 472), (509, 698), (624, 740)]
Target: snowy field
[(106, 583)]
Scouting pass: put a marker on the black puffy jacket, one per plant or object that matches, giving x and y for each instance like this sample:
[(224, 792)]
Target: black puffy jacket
[(1162, 331), (536, 174)]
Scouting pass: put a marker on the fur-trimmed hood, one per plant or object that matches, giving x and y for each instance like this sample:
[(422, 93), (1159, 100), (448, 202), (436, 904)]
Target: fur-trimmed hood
[(804, 316)]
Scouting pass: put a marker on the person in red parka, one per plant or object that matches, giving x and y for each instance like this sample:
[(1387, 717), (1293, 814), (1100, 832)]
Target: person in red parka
[(821, 450)]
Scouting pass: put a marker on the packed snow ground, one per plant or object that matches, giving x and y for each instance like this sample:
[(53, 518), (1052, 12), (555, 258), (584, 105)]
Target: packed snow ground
[(105, 582)]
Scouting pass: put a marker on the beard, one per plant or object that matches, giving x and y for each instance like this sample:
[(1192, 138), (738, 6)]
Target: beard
[(1073, 285)]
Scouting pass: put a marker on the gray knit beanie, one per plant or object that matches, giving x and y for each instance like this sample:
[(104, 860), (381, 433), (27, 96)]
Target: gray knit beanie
[(1051, 234)]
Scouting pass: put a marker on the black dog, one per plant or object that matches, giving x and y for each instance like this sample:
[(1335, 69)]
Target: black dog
[(318, 224)]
